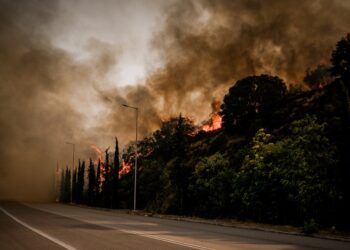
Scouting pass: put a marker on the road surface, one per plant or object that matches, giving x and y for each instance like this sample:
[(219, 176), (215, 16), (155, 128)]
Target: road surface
[(57, 226)]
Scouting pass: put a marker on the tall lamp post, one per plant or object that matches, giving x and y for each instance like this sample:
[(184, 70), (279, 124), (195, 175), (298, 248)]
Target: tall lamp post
[(71, 192), (135, 177)]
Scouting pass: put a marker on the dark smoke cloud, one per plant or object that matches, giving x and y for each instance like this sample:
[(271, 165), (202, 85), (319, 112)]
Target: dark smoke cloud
[(121, 121), (47, 96), (208, 45)]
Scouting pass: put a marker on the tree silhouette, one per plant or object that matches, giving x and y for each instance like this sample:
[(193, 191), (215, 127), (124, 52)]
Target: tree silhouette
[(75, 185), (106, 185), (251, 101), (163, 143), (318, 77), (62, 187), (80, 182), (91, 184), (341, 60), (341, 69), (67, 186), (98, 184), (115, 175), (179, 172)]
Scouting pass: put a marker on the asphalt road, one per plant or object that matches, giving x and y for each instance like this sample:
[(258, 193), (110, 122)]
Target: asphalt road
[(57, 226)]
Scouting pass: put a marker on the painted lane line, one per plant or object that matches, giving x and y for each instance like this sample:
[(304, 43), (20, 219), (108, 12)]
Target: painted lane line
[(138, 233), (58, 242), (166, 240)]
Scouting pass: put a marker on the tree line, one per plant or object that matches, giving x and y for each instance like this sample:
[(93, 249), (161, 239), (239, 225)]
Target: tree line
[(102, 182), (281, 157)]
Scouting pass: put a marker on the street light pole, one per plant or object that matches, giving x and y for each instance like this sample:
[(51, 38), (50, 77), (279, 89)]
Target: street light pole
[(135, 175), (71, 191)]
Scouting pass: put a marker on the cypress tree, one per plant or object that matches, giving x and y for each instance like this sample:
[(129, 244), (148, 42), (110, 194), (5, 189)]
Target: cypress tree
[(341, 60), (115, 175), (74, 186), (62, 187), (80, 185), (106, 187), (67, 186), (98, 184), (91, 185)]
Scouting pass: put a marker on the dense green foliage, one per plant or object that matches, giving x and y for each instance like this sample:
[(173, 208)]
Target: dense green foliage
[(283, 157), (288, 180), (211, 186)]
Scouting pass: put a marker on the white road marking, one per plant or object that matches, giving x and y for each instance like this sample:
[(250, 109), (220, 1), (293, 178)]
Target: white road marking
[(165, 239), (139, 233), (58, 242)]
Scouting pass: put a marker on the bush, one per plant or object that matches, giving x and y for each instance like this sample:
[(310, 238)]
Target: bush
[(310, 227), (211, 186), (289, 180)]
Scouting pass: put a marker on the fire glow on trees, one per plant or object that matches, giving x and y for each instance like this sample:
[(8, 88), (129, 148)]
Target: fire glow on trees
[(97, 151), (125, 168), (215, 121)]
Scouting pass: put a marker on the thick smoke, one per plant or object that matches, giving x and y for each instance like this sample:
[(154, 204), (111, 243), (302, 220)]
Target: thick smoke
[(208, 45), (31, 113), (47, 97), (40, 88)]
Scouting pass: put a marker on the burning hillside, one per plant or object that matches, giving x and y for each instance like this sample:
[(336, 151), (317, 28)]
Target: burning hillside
[(215, 120), (123, 169)]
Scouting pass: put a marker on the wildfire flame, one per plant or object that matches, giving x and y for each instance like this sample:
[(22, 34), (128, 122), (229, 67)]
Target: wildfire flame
[(124, 169), (215, 121), (97, 151)]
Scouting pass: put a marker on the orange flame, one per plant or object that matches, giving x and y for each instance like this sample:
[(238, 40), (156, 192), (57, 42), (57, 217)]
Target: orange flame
[(125, 169), (215, 120), (97, 151), (214, 124)]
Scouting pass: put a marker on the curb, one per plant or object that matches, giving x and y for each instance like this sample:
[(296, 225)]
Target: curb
[(211, 222)]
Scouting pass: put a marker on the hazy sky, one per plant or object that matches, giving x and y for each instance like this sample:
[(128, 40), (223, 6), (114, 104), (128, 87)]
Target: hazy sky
[(126, 26), (67, 66), (125, 30)]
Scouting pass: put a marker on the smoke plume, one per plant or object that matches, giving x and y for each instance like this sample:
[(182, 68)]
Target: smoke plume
[(208, 45)]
